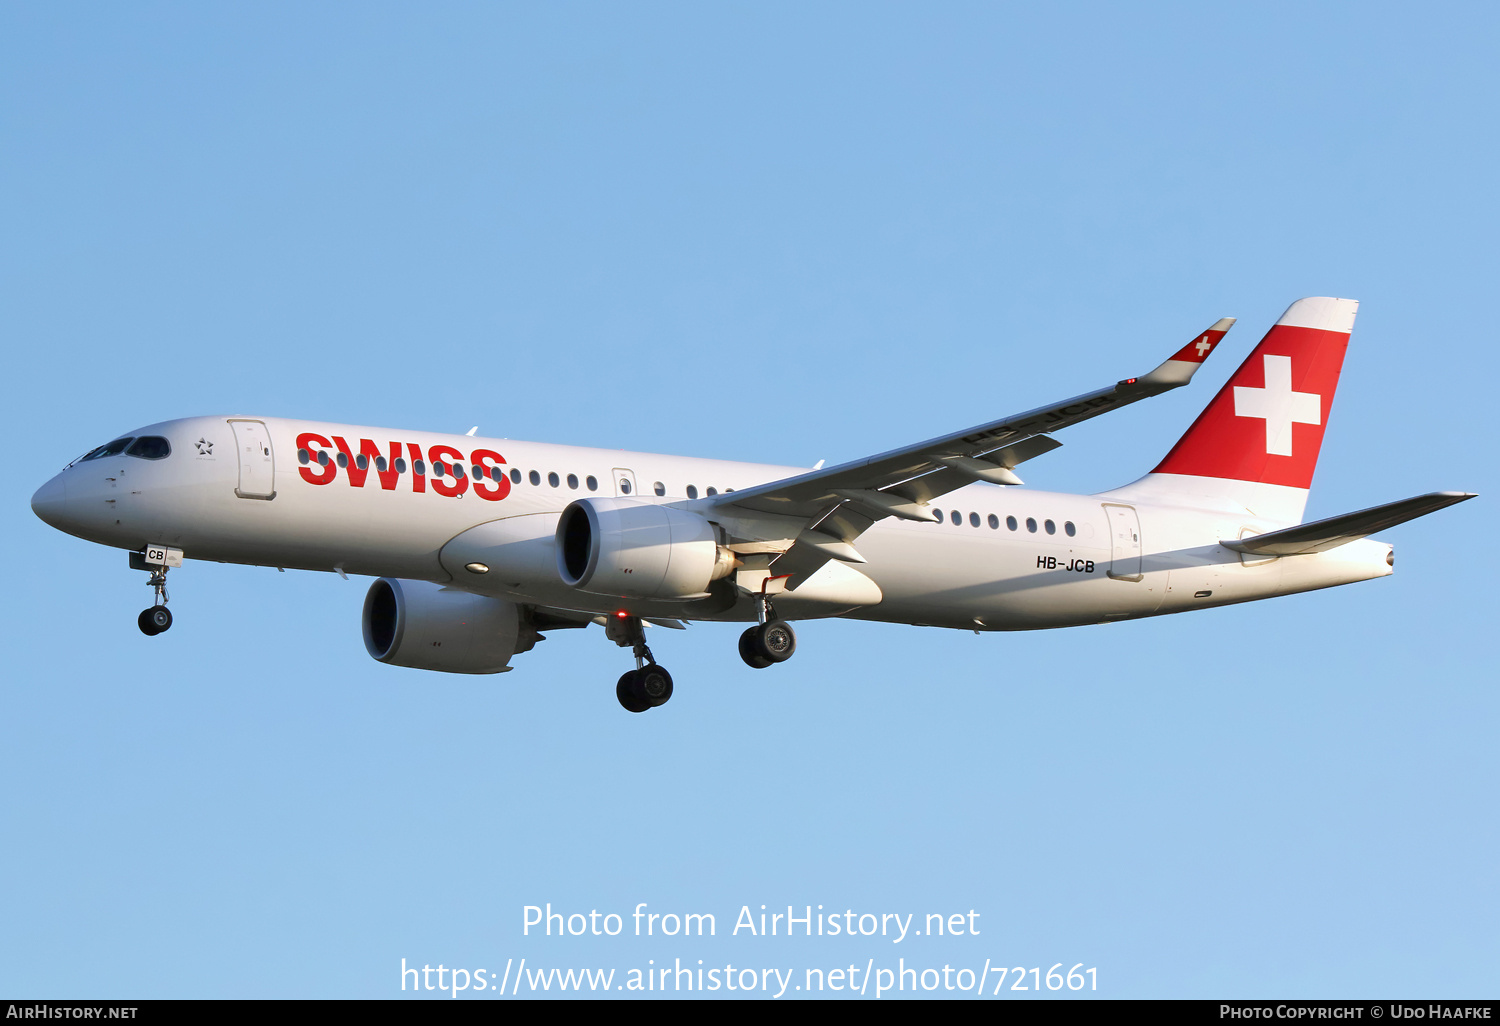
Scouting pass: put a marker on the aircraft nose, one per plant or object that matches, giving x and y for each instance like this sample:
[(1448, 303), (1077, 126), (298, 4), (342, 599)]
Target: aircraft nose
[(51, 501)]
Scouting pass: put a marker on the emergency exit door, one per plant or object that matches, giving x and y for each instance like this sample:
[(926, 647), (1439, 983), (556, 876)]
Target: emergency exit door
[(624, 481)]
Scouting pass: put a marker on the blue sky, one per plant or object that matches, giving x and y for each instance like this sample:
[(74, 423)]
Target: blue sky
[(778, 232)]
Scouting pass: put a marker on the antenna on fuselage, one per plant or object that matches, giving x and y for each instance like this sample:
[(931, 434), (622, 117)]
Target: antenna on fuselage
[(470, 433)]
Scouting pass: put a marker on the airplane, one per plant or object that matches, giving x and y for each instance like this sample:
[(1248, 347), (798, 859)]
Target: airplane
[(481, 546)]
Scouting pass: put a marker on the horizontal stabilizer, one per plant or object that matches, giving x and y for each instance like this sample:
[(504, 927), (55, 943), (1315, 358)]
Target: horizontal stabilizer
[(1322, 535)]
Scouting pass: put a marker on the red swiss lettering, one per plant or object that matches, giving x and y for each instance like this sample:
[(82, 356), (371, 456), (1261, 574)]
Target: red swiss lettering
[(418, 477), (501, 488), (441, 485), (371, 453), (315, 473), (390, 475)]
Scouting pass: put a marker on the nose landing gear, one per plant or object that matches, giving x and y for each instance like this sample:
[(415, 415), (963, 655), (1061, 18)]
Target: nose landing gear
[(648, 685), (156, 560)]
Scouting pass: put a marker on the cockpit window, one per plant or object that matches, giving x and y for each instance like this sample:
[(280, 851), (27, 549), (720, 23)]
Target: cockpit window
[(150, 447), (112, 449)]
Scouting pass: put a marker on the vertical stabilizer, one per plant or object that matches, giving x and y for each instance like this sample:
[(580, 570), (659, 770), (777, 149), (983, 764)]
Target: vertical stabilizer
[(1256, 445)]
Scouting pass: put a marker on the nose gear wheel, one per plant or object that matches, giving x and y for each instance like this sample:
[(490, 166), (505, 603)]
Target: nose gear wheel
[(158, 617)]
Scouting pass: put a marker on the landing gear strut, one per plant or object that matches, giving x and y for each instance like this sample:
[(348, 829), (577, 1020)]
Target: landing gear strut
[(648, 685), (158, 618), (770, 641)]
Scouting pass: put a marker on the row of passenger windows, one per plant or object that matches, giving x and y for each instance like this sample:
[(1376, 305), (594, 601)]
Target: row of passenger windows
[(147, 447), (441, 469), (1049, 526)]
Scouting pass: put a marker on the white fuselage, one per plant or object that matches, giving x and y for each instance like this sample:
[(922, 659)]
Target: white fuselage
[(215, 499)]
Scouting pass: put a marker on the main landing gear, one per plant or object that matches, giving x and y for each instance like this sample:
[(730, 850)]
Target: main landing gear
[(769, 641), (648, 685), (158, 618)]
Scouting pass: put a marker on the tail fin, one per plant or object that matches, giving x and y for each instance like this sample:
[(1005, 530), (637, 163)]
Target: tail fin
[(1257, 443)]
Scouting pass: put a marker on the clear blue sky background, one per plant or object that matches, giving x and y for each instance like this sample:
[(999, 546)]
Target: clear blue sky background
[(780, 232)]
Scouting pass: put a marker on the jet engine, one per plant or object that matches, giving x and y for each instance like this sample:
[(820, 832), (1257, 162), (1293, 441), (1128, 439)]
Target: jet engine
[(637, 549), (430, 627)]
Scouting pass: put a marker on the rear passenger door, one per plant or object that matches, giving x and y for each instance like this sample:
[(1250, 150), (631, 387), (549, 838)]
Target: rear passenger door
[(1124, 542)]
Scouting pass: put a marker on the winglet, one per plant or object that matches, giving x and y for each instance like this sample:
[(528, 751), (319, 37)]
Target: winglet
[(1179, 370)]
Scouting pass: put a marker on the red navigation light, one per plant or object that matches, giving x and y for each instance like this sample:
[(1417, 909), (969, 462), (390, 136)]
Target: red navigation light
[(622, 614)]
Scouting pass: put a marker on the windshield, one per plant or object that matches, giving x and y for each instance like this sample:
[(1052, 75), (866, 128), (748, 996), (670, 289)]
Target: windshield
[(146, 447), (112, 449)]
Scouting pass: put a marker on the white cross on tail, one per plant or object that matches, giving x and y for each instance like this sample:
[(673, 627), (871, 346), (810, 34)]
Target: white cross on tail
[(1278, 405)]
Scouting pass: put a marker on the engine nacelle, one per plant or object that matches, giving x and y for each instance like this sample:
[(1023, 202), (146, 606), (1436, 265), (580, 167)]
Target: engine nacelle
[(430, 627), (637, 549)]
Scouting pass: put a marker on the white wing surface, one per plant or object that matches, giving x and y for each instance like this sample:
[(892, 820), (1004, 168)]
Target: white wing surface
[(801, 522)]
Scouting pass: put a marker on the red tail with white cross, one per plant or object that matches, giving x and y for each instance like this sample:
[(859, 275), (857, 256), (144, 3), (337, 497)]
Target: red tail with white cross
[(1266, 425)]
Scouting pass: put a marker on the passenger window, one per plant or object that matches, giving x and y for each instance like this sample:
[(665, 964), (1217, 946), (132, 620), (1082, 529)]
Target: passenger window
[(476, 472), (497, 475), (553, 479), (939, 514), (1051, 527), (420, 467), (692, 491), (1069, 528), (362, 461), (439, 468), (515, 474), (624, 486), (659, 488), (323, 458), (380, 464), (303, 458), (712, 490), (534, 477), (400, 465), (1010, 522), (1031, 525), (994, 522), (592, 482), (573, 481), (956, 517), (973, 519), (343, 459)]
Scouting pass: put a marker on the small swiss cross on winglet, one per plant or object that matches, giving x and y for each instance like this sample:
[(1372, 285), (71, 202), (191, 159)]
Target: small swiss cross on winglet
[(1179, 368), (1198, 349)]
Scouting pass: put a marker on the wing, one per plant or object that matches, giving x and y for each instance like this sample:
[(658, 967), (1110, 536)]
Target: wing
[(804, 521)]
